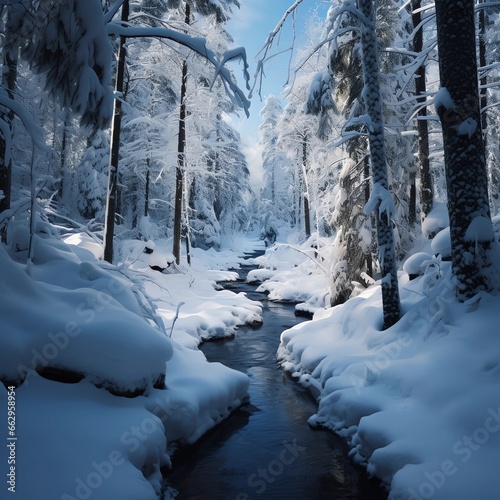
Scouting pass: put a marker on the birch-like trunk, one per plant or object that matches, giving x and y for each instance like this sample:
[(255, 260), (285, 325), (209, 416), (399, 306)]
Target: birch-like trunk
[(465, 165), (373, 102)]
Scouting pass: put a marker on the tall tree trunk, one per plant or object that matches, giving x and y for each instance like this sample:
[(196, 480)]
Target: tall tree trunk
[(109, 227), (181, 153), (483, 26), (10, 55), (385, 236), (366, 174), (146, 194), (426, 191), (465, 166), (307, 214), (64, 145)]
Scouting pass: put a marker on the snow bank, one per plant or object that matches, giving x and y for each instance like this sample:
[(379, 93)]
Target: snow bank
[(69, 317), (296, 274), (205, 313), (436, 220), (419, 403), (80, 328)]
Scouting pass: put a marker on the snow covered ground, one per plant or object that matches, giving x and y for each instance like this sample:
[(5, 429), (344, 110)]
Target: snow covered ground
[(419, 403), (111, 332)]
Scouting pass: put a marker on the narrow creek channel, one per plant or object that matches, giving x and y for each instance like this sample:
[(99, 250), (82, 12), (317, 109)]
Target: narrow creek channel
[(266, 450)]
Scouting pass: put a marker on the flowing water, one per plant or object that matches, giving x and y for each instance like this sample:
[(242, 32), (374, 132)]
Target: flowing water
[(266, 450)]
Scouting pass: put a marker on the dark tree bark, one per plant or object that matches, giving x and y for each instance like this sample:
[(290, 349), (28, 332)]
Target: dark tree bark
[(385, 235), (10, 55), (307, 213), (146, 193), (366, 174), (483, 26), (466, 175), (181, 152), (426, 191), (109, 227), (64, 146)]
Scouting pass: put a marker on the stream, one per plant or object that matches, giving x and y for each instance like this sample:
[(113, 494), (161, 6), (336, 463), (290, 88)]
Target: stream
[(266, 450)]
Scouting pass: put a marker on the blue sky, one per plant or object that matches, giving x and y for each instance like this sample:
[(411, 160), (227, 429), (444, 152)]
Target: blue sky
[(250, 26)]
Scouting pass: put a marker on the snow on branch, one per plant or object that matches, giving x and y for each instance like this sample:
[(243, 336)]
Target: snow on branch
[(345, 137), (108, 16), (198, 45), (443, 99), (380, 197), (36, 133)]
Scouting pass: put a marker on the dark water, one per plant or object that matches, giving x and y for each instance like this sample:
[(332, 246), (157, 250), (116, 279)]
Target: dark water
[(266, 450)]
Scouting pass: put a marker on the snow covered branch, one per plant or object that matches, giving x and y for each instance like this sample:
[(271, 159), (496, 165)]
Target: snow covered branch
[(198, 45), (36, 133), (259, 73)]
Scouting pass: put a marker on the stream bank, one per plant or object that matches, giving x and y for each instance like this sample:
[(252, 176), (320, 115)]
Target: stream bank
[(266, 450)]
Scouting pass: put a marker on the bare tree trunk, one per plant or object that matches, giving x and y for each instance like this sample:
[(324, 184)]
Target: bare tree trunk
[(385, 236), (466, 176), (307, 214), (109, 227), (426, 191), (64, 146), (9, 78), (146, 194), (366, 174), (181, 152), (483, 26)]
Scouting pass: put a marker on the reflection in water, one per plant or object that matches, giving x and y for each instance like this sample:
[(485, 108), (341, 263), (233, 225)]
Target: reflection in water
[(266, 450)]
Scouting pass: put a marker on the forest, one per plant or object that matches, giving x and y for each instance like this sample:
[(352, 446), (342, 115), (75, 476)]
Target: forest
[(127, 198)]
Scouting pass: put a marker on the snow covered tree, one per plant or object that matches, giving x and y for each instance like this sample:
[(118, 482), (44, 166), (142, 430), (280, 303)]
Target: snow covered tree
[(181, 151), (198, 45), (381, 201), (275, 212), (12, 15), (68, 43), (457, 104), (341, 89), (91, 178), (111, 198)]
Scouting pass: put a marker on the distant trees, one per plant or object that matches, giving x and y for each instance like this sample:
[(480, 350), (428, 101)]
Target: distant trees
[(75, 64), (275, 211)]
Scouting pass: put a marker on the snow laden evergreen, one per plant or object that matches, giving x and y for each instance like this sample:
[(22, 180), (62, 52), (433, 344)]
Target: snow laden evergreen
[(91, 176), (341, 89), (276, 211)]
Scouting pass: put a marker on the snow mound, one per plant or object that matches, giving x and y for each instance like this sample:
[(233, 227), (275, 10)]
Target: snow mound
[(418, 403), (295, 274), (76, 328), (436, 220), (441, 244)]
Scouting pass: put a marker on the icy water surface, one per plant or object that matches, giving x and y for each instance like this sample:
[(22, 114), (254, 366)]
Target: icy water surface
[(266, 450)]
